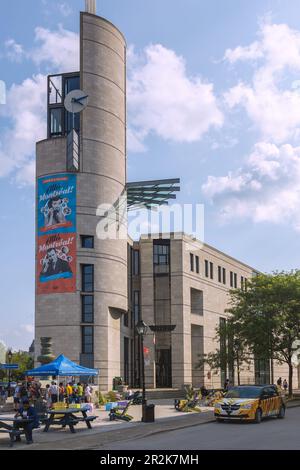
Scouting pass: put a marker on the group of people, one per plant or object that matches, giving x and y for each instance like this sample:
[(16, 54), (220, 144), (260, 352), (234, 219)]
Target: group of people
[(71, 393), (283, 384)]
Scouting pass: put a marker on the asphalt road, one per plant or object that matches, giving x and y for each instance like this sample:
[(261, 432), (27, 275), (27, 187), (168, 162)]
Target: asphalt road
[(270, 434)]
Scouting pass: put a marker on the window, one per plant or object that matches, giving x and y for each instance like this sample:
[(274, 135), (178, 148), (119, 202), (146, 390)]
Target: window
[(87, 340), (211, 265), (192, 262), (242, 282), (231, 279), (219, 274), (135, 262), (161, 254), (136, 307), (224, 276), (87, 306), (87, 241), (197, 265), (126, 319), (206, 268), (197, 301), (87, 278), (235, 280), (56, 122)]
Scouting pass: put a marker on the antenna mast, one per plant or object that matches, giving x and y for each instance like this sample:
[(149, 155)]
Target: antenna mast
[(90, 6)]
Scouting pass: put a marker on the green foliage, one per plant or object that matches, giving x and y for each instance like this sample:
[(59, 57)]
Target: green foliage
[(25, 363), (101, 399), (111, 396), (267, 315)]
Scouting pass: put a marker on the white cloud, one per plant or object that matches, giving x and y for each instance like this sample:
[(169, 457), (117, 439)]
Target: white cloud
[(25, 110), (57, 49), (164, 100), (64, 9), (265, 189), (14, 51), (270, 100)]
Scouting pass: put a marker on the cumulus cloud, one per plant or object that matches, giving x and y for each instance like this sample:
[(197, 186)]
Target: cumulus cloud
[(164, 100), (57, 49), (265, 189), (14, 51), (270, 100), (25, 109)]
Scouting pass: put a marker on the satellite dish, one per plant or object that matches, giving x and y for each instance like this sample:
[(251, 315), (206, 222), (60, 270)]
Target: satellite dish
[(76, 101)]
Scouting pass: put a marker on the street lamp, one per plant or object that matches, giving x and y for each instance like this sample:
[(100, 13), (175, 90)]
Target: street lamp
[(142, 329), (9, 356)]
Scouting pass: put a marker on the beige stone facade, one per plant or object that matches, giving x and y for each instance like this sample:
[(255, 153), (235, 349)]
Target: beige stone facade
[(190, 294), (177, 285)]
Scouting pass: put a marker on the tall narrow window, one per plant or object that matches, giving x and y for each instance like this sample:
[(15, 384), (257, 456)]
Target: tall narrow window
[(211, 266), (219, 274), (87, 340), (135, 262), (224, 276), (136, 306), (87, 305), (206, 268), (192, 262), (197, 265), (231, 279), (235, 280), (87, 271)]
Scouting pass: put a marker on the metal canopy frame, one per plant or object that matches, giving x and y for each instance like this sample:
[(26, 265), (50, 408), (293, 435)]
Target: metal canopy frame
[(148, 194)]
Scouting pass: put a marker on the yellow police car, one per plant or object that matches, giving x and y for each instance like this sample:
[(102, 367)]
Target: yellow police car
[(251, 403)]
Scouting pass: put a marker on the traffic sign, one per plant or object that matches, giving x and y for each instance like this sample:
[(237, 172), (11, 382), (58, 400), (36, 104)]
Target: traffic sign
[(9, 366)]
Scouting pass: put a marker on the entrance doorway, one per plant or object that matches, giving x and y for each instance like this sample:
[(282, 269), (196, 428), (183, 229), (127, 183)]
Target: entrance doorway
[(163, 368)]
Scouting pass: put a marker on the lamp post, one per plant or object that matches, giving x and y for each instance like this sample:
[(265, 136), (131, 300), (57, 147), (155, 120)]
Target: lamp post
[(9, 356), (142, 329)]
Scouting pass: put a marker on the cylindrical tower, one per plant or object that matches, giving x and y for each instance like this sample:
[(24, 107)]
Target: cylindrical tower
[(82, 280)]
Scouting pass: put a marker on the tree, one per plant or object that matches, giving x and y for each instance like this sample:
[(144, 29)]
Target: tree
[(233, 349), (268, 315), (25, 362)]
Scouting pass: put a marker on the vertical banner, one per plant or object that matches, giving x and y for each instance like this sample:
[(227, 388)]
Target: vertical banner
[(56, 232)]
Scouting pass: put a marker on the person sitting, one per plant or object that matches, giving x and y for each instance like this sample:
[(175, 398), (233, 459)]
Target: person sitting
[(27, 411)]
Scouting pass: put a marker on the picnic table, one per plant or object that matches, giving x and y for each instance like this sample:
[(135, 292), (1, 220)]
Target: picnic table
[(13, 429), (67, 417)]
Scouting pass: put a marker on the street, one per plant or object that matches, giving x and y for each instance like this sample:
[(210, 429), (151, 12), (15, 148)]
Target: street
[(270, 434)]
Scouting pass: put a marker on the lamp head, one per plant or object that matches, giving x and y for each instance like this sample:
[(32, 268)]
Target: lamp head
[(141, 328)]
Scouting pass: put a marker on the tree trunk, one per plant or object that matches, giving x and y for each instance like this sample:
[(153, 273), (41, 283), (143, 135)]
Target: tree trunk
[(290, 379), (238, 370), (272, 368)]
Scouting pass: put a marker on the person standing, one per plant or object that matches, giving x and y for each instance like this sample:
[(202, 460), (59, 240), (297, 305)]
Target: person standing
[(285, 385), (279, 382), (61, 392), (69, 392), (88, 393), (54, 392), (226, 385), (80, 392)]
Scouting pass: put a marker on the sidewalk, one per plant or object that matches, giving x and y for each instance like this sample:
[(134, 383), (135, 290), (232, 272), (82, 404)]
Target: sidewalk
[(105, 432)]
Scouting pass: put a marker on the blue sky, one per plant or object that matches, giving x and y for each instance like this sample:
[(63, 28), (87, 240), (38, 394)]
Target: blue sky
[(213, 98)]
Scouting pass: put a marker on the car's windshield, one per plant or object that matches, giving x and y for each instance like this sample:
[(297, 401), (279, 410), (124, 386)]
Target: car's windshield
[(243, 392)]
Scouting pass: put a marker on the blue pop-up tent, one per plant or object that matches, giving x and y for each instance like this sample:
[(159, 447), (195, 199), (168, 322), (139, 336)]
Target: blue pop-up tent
[(62, 367)]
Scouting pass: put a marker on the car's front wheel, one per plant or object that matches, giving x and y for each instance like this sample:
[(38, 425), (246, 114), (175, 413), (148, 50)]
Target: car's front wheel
[(281, 413), (258, 416)]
